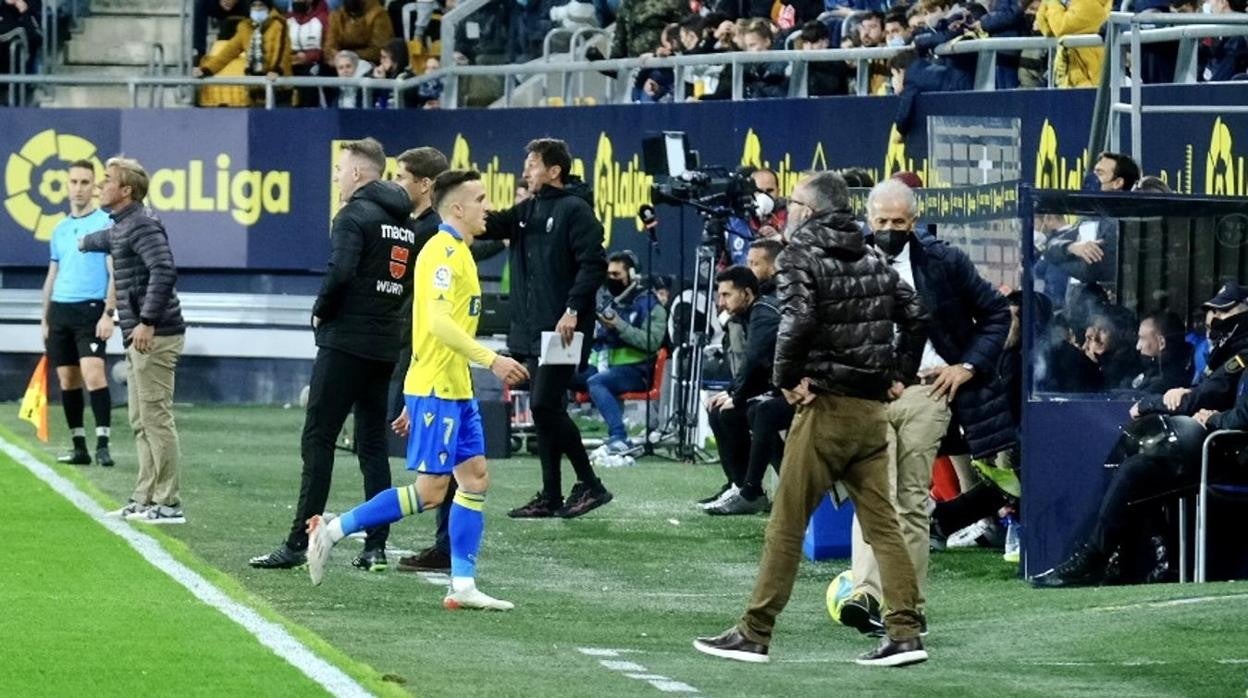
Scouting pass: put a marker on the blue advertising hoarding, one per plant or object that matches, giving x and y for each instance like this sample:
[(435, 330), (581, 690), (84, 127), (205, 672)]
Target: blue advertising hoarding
[(252, 190)]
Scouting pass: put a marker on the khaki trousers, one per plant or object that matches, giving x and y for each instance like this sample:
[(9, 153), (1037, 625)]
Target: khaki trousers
[(151, 416), (833, 439), (916, 423)]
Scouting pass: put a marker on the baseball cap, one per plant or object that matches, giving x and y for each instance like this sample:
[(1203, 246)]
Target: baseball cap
[(1228, 296)]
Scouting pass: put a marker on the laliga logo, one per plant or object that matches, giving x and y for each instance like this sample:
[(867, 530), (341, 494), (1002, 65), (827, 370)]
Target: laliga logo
[(35, 179)]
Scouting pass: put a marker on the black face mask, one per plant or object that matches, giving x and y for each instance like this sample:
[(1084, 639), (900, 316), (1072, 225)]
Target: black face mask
[(891, 242), (1222, 328), (616, 286), (299, 7)]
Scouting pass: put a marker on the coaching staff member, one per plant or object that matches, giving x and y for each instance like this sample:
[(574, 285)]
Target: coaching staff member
[(357, 321), (557, 267)]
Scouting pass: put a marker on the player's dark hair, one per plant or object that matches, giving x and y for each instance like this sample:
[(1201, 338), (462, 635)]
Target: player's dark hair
[(770, 247), (739, 276), (423, 163), (553, 152), (81, 164), (449, 181)]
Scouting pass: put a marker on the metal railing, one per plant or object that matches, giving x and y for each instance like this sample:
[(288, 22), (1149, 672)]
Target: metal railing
[(617, 86), (1124, 31), (450, 26), (19, 54)]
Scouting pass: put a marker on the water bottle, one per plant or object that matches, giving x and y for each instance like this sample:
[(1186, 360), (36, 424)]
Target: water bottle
[(1013, 538)]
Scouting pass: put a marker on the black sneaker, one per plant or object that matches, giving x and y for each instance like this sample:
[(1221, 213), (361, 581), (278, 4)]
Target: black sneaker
[(862, 613), (103, 457), (371, 560), (428, 560), (1085, 567), (537, 508), (78, 456), (895, 653), (579, 490), (283, 558), (592, 499), (731, 644)]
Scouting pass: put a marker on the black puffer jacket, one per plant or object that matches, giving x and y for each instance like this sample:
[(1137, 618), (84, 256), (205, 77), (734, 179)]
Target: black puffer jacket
[(557, 262), (369, 279), (839, 302), (143, 271)]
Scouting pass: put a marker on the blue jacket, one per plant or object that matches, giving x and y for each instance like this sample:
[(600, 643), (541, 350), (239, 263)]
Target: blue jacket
[(969, 323)]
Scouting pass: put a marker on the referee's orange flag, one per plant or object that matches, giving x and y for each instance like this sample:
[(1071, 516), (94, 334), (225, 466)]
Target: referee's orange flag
[(34, 407)]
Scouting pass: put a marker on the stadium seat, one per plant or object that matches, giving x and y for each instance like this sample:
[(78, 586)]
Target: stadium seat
[(656, 383), (1222, 476)]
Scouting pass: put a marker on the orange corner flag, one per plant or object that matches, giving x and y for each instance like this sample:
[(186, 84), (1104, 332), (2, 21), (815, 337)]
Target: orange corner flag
[(34, 407)]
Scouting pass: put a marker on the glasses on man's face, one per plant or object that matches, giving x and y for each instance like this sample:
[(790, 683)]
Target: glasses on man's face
[(799, 202)]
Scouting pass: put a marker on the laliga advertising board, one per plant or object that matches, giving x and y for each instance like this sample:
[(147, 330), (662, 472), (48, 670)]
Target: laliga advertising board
[(250, 189), (225, 199)]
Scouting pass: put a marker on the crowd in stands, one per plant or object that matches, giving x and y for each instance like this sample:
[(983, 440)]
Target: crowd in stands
[(663, 27), (303, 38)]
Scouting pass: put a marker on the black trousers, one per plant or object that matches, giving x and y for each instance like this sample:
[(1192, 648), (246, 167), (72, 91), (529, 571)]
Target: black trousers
[(342, 382), (1139, 477), (767, 419), (731, 427), (557, 435)]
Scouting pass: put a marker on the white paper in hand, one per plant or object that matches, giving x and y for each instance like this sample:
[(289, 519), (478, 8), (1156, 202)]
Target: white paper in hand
[(555, 354)]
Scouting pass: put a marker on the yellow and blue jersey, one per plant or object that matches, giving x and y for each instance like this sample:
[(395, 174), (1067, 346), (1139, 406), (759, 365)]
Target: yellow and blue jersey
[(445, 279)]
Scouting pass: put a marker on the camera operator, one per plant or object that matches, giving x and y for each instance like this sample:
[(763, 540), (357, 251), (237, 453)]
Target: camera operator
[(756, 214), (758, 317), (631, 326)]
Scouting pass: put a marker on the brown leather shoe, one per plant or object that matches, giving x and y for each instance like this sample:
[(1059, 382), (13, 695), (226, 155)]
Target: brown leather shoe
[(731, 644), (428, 560)]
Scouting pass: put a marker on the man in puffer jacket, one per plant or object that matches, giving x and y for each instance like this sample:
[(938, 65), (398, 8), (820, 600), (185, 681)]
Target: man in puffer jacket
[(849, 330), (152, 331)]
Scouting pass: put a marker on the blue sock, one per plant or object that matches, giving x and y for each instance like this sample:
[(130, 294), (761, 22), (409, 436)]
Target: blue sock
[(467, 526), (386, 507)]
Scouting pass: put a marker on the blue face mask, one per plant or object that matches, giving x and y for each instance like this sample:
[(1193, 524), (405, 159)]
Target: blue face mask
[(258, 16), (896, 41)]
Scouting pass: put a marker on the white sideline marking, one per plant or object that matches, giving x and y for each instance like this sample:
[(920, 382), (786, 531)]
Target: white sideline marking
[(636, 671), (1171, 603), (268, 633)]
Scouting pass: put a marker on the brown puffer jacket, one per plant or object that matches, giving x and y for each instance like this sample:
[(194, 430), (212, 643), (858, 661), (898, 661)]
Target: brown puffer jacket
[(839, 302), (361, 26)]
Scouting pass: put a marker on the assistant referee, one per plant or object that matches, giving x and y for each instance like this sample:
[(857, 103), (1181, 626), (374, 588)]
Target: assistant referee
[(77, 319)]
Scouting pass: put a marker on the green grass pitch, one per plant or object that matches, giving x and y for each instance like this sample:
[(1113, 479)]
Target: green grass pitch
[(83, 614)]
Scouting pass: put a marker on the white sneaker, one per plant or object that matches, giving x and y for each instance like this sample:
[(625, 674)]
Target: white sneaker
[(967, 537), (131, 507), (723, 497), (470, 598), (158, 514), (319, 547)]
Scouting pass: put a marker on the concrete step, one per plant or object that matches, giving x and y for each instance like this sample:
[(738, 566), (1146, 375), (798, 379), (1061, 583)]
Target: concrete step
[(106, 30), (136, 53), (139, 7)]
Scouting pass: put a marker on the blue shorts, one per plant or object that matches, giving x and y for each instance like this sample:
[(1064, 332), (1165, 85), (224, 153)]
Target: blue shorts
[(444, 434)]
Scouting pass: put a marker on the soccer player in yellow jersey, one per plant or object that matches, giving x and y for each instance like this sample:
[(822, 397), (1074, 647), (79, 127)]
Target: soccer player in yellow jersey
[(445, 426)]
